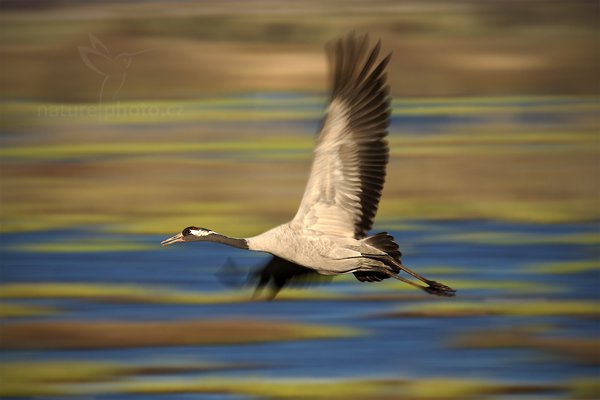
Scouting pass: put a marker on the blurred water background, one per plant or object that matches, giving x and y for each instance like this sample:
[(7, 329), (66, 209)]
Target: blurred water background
[(124, 122)]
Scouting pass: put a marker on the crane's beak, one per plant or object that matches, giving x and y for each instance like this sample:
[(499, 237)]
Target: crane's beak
[(174, 239)]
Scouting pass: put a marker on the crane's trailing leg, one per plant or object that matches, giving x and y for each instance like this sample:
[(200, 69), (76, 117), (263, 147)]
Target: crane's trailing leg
[(433, 287), (385, 242)]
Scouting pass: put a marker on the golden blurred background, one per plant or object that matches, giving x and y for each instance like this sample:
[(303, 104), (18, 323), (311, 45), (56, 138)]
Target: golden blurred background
[(188, 78)]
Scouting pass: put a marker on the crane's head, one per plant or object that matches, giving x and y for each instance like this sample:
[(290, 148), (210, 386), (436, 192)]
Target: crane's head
[(189, 234)]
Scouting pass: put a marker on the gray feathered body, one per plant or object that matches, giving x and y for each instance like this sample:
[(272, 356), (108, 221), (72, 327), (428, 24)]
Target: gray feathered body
[(328, 255)]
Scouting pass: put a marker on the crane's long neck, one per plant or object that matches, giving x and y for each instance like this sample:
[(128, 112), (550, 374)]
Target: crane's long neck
[(229, 241)]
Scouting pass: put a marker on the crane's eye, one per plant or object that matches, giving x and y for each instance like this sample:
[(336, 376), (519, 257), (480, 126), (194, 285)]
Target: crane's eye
[(187, 231)]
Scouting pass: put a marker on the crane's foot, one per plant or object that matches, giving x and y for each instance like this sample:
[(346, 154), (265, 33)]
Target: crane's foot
[(439, 289)]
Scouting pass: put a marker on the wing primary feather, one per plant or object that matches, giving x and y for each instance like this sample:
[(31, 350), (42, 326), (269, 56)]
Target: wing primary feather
[(371, 90), (370, 61), (339, 83), (376, 105), (362, 48), (350, 55)]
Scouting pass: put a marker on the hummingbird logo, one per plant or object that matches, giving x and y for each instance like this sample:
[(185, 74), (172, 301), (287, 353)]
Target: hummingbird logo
[(113, 69)]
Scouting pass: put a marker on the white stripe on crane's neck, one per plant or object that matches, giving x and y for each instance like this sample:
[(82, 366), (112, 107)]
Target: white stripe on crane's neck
[(201, 232)]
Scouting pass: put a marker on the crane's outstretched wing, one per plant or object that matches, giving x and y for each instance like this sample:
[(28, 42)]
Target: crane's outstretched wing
[(348, 170)]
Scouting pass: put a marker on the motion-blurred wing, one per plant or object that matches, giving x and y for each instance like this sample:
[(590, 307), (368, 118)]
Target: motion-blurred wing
[(278, 273), (274, 275), (351, 154)]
